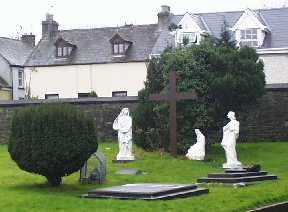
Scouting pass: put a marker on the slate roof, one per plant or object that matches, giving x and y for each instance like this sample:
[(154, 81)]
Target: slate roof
[(276, 19), (14, 51), (93, 45), (3, 83)]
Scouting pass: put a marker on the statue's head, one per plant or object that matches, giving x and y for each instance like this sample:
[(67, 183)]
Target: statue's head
[(197, 131), (231, 115), (125, 111)]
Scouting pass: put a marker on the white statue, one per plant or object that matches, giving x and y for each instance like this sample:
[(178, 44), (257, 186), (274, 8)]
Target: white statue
[(123, 124), (197, 151), (230, 134)]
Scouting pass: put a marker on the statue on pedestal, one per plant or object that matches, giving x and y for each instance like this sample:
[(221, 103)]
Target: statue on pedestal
[(123, 124), (230, 135)]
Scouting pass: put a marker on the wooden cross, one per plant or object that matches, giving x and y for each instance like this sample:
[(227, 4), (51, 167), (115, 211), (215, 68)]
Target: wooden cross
[(172, 98)]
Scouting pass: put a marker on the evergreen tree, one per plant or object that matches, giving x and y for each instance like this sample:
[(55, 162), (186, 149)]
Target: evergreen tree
[(225, 78)]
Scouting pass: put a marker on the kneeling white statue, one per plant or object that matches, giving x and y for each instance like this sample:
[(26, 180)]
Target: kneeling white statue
[(123, 124), (230, 134), (197, 151)]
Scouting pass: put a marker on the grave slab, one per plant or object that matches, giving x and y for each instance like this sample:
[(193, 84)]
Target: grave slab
[(147, 191), (128, 172), (122, 161)]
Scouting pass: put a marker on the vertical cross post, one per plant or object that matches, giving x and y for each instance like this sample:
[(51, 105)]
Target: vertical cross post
[(172, 98)]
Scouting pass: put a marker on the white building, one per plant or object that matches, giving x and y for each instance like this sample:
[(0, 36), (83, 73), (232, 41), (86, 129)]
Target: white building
[(113, 61), (13, 54)]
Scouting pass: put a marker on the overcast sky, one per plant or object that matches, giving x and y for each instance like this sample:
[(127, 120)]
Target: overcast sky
[(25, 16)]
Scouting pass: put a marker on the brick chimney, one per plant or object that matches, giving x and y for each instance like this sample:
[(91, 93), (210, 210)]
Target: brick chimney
[(163, 17), (28, 39), (49, 27)]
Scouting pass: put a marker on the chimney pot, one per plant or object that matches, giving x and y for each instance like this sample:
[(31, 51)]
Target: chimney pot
[(28, 39), (165, 9)]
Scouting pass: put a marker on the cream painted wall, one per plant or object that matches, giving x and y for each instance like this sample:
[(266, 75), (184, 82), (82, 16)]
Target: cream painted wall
[(68, 81), (275, 68)]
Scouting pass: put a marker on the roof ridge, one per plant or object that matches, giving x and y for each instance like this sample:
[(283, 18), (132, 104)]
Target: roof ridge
[(236, 11), (14, 39), (117, 27)]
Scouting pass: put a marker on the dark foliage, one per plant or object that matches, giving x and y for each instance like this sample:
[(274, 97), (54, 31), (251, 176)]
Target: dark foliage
[(225, 78), (52, 140)]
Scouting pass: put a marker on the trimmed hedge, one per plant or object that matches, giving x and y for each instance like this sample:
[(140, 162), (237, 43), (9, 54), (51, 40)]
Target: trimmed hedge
[(52, 140)]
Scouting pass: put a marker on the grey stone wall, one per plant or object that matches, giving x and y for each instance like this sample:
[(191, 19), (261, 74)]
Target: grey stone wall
[(103, 110), (266, 121)]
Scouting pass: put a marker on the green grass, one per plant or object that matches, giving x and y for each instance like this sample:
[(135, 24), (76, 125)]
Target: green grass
[(22, 191)]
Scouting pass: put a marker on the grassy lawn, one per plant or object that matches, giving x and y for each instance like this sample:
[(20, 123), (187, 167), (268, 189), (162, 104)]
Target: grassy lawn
[(21, 191)]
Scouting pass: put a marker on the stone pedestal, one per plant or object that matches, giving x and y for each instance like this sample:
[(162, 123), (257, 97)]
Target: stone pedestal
[(240, 175)]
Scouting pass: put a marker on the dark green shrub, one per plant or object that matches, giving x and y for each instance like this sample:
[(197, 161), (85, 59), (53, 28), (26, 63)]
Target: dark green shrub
[(52, 140), (225, 78)]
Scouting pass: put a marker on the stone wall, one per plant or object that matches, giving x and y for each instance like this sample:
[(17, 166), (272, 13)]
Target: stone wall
[(103, 110), (266, 121)]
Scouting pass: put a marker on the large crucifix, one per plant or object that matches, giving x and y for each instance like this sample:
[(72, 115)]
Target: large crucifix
[(172, 98)]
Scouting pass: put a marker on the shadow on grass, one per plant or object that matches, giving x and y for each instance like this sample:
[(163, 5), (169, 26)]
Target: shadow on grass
[(45, 188)]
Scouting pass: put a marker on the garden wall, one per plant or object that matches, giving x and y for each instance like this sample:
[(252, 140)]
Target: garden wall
[(266, 121)]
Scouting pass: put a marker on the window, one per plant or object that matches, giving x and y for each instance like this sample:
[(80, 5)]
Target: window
[(189, 36), (83, 95), (51, 96), (20, 78), (63, 51), (249, 37), (119, 93), (118, 48)]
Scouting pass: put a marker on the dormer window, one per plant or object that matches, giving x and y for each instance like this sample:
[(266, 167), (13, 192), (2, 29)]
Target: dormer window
[(64, 51), (120, 46), (63, 48), (250, 29), (249, 37), (191, 29), (187, 37)]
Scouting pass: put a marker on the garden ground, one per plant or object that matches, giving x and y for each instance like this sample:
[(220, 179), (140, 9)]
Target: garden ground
[(22, 191)]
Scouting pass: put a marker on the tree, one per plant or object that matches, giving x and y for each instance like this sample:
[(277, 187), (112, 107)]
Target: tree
[(52, 140), (225, 78), (225, 37)]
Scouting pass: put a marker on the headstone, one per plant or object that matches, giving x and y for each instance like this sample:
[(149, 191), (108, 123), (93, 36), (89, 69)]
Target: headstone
[(98, 174), (147, 191)]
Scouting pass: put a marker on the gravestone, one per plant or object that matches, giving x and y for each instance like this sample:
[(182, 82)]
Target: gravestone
[(147, 191), (98, 172)]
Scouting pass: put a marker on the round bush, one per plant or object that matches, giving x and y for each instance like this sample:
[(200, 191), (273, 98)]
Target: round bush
[(52, 140)]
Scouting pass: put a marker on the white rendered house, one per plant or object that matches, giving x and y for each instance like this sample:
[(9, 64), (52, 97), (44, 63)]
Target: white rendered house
[(112, 61)]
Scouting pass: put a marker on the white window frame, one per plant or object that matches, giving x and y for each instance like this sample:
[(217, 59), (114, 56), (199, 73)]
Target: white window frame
[(119, 48), (192, 36), (249, 36), (20, 78)]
